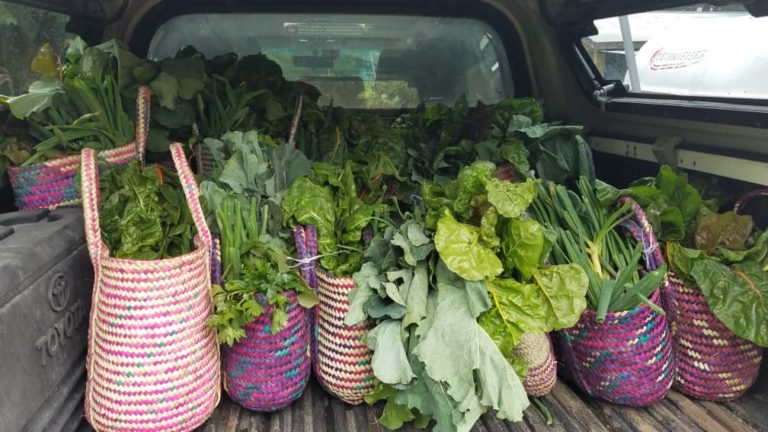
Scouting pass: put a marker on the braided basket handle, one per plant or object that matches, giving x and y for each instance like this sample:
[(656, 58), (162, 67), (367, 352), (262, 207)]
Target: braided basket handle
[(747, 197), (142, 121), (89, 189), (642, 231), (90, 194), (192, 193)]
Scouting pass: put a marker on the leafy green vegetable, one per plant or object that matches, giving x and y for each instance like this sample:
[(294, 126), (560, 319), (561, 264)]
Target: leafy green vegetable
[(737, 295), (144, 214), (243, 199), (670, 203), (330, 202), (587, 237), (459, 246), (728, 231)]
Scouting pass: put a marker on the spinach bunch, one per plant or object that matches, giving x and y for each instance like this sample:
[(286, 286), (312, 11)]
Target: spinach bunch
[(144, 213), (329, 200)]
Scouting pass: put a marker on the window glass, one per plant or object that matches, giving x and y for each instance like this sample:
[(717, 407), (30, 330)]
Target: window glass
[(358, 61), (700, 50), (23, 30)]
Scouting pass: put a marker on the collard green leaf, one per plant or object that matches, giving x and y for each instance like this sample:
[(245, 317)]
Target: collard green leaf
[(460, 248), (738, 296), (511, 199), (514, 152), (389, 361), (367, 283), (456, 335), (416, 298)]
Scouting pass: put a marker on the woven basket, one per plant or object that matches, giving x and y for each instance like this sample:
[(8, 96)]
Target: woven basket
[(712, 362), (265, 371), (342, 362), (537, 350), (51, 183), (628, 359), (153, 363)]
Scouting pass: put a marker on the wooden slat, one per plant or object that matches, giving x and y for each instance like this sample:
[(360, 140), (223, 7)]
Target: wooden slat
[(696, 413), (726, 418), (572, 403)]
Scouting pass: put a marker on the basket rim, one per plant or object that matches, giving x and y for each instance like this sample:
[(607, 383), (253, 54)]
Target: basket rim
[(199, 248), (655, 298), (74, 158)]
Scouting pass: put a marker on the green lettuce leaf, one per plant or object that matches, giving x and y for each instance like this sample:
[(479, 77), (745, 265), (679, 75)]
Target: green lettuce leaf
[(738, 296), (511, 199), (462, 251)]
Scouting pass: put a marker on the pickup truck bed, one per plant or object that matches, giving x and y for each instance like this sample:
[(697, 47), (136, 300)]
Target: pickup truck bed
[(316, 411)]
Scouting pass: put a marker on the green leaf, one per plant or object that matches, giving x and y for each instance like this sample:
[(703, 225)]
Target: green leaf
[(165, 88), (416, 298), (738, 296), (523, 245), (460, 248), (727, 231), (471, 182), (389, 361), (511, 199), (308, 299), (39, 97), (476, 361)]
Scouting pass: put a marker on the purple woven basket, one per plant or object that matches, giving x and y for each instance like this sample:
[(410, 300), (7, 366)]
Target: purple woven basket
[(712, 362), (628, 359), (265, 371)]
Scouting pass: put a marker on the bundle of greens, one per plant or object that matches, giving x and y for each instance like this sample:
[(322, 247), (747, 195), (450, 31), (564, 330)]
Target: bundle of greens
[(88, 100), (721, 253), (254, 263), (484, 236), (242, 200), (431, 358), (329, 200), (440, 140), (15, 146), (587, 236), (144, 214)]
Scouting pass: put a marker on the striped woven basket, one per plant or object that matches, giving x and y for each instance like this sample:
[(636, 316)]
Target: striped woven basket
[(51, 183), (712, 362), (537, 350), (342, 362), (628, 359), (153, 363), (265, 371)]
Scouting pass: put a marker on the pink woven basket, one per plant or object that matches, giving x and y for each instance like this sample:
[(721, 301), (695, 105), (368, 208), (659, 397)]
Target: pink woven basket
[(628, 359), (50, 184), (342, 361), (153, 363), (712, 362)]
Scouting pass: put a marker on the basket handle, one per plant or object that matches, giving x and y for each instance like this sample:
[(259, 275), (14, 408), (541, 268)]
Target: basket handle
[(192, 193), (295, 121), (90, 194), (642, 230), (749, 196), (89, 190), (143, 105)]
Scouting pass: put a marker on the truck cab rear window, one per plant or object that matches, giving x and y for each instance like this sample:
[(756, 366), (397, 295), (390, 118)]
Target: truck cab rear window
[(358, 61), (699, 51)]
